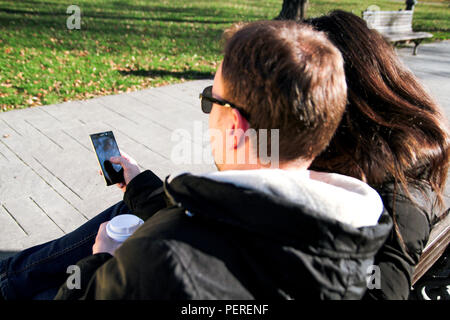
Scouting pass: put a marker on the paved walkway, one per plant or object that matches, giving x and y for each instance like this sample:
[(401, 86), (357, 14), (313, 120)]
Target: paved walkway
[(49, 181)]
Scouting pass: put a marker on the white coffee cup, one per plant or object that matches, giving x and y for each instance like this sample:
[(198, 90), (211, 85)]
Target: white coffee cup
[(122, 226)]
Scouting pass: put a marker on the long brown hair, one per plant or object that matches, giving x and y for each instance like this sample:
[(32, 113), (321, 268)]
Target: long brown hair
[(392, 130)]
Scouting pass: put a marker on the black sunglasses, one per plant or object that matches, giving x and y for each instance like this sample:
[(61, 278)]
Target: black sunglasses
[(207, 101)]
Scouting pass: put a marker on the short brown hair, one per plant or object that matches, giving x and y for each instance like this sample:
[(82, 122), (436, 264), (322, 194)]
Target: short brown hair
[(288, 77)]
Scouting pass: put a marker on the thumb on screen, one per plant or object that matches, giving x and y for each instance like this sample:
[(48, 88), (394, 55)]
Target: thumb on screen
[(128, 158), (117, 160)]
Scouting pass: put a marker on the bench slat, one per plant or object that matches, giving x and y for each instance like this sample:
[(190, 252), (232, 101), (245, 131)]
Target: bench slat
[(392, 29), (437, 243), (395, 37)]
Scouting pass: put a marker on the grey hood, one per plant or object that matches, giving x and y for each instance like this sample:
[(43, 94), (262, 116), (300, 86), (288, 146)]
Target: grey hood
[(345, 199)]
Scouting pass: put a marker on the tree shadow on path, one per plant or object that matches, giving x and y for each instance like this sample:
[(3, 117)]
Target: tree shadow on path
[(188, 75)]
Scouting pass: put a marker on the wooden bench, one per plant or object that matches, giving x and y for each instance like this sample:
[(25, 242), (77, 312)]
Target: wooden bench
[(437, 243), (395, 26)]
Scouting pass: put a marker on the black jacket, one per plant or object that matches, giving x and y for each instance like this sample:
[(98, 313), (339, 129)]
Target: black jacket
[(402, 249), (205, 239)]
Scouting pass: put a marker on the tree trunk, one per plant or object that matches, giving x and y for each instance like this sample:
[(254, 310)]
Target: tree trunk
[(293, 10), (410, 4)]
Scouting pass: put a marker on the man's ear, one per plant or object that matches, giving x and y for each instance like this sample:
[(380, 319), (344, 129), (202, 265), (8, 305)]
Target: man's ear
[(239, 126)]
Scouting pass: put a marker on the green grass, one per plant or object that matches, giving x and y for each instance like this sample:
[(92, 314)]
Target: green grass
[(129, 45)]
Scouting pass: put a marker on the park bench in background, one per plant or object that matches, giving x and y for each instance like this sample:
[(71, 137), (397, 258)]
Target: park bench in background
[(395, 26)]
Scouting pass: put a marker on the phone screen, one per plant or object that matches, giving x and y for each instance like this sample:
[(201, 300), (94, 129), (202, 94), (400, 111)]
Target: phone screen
[(105, 146)]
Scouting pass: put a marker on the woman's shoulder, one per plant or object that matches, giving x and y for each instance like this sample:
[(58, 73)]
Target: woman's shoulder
[(416, 200), (413, 215)]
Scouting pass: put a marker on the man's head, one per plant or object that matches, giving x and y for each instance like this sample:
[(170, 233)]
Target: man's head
[(277, 75)]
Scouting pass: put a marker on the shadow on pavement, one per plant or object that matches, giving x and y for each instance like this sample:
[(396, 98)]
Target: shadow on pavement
[(188, 75)]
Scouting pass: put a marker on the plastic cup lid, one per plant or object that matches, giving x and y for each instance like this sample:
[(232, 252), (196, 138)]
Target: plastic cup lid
[(123, 226)]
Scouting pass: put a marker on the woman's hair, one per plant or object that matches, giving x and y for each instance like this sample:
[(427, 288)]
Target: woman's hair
[(392, 130)]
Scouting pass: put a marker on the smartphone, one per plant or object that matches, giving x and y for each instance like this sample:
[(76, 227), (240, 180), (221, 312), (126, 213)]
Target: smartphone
[(105, 147)]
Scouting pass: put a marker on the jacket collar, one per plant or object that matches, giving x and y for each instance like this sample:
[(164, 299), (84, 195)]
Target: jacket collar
[(272, 216)]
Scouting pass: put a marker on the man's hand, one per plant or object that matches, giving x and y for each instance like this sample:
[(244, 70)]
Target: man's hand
[(130, 169), (103, 243)]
